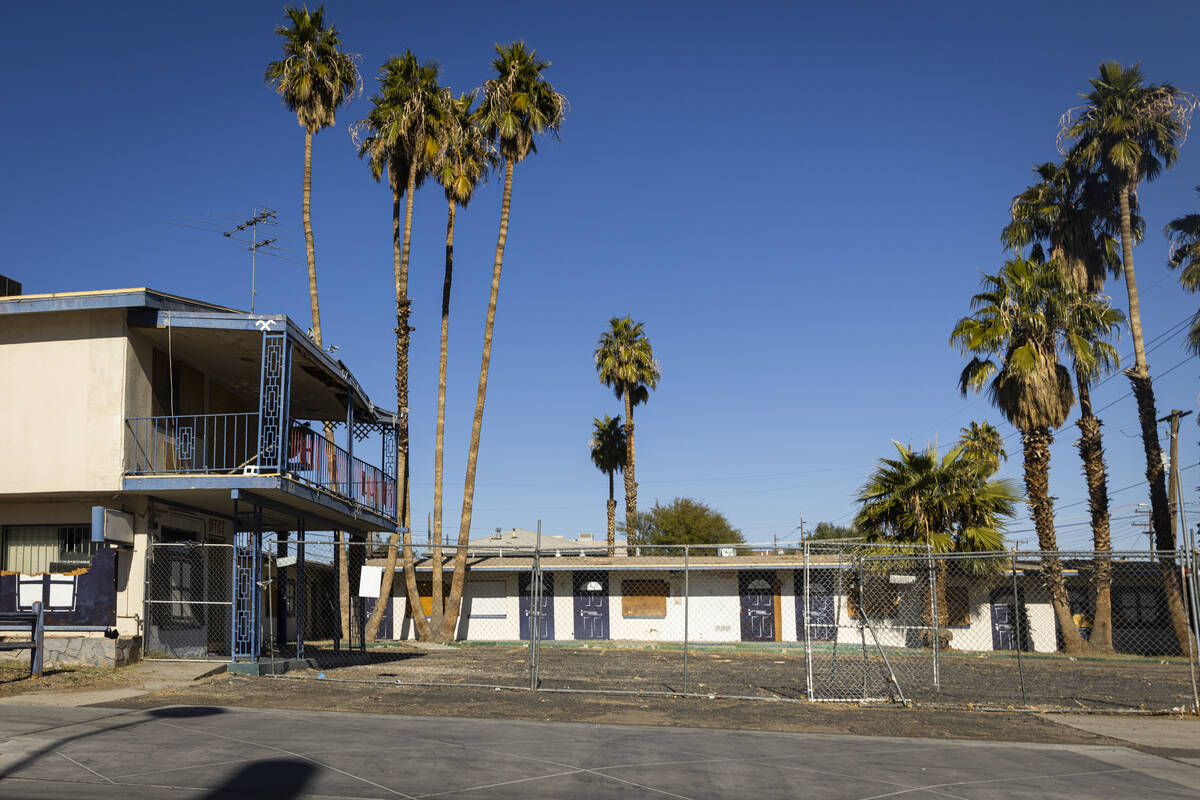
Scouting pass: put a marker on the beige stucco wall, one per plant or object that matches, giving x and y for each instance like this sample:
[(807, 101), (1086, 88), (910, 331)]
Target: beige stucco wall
[(62, 405)]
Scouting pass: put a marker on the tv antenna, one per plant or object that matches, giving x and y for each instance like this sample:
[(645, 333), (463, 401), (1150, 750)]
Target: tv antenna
[(261, 216)]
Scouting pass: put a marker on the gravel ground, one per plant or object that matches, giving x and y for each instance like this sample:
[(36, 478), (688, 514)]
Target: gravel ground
[(966, 679)]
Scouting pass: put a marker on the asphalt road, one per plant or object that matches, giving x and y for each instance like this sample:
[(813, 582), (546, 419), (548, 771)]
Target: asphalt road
[(215, 752)]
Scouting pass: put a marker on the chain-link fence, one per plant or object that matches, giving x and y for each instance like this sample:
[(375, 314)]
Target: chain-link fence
[(836, 621), (189, 600)]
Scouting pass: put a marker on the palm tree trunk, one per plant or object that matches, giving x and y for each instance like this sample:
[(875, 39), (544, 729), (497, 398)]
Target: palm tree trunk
[(1143, 390), (630, 483), (1091, 451), (464, 529), (400, 250), (1036, 442), (309, 250), (457, 578), (611, 506)]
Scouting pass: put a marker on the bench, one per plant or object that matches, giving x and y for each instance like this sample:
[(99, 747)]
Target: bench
[(35, 619)]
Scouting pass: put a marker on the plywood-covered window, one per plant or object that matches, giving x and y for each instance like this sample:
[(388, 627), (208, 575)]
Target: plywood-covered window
[(958, 608), (644, 599)]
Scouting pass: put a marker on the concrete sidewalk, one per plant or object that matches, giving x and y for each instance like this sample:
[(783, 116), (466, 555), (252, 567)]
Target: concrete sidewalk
[(214, 752)]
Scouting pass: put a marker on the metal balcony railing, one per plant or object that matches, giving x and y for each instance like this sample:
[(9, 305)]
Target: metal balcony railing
[(228, 444)]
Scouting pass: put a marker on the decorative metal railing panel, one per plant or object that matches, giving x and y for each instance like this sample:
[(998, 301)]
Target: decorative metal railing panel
[(274, 383), (319, 462), (206, 443)]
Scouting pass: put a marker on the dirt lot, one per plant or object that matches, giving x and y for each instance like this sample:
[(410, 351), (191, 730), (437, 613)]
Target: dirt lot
[(16, 679), (966, 679)]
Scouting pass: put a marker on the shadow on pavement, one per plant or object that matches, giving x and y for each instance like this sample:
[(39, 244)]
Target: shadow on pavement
[(278, 778)]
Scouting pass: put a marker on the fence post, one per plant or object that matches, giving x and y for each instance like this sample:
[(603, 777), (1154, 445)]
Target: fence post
[(937, 620), (37, 662), (1017, 626), (808, 662), (687, 595), (301, 589)]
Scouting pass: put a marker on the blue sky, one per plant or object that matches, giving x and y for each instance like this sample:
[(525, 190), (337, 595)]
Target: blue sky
[(796, 200)]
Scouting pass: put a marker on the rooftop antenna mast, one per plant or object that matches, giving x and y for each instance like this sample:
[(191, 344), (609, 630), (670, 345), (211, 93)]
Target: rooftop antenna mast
[(264, 217)]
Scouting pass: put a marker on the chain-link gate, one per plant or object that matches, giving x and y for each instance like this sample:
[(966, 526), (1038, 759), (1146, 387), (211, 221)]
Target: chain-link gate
[(188, 601)]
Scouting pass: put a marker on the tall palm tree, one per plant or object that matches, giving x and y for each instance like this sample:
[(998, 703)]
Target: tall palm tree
[(463, 163), (948, 503), (314, 78), (1013, 339), (607, 446), (1072, 209), (1184, 234), (518, 105), (398, 137), (983, 444), (625, 362), (1131, 130)]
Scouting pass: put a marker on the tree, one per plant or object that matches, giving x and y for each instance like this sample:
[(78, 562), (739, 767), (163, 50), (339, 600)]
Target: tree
[(1013, 340), (948, 503), (463, 163), (684, 521), (1072, 209), (398, 138), (625, 362), (1130, 131), (827, 530), (983, 444), (314, 78), (607, 446), (1184, 235), (518, 105)]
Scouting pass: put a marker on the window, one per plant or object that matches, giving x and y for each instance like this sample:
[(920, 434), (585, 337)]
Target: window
[(644, 599), (32, 549), (1139, 608), (958, 607), (882, 600)]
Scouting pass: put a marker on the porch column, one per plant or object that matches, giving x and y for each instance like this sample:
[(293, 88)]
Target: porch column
[(350, 446), (281, 609), (301, 589), (247, 571), (274, 390)]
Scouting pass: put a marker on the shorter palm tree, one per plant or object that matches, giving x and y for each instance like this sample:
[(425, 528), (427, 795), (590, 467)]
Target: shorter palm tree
[(1184, 235), (947, 503), (984, 445), (608, 454)]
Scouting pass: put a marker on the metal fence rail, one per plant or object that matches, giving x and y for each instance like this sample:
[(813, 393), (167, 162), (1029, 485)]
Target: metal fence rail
[(835, 622)]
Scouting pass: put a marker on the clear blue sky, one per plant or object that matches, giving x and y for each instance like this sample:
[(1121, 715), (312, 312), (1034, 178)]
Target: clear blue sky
[(796, 202)]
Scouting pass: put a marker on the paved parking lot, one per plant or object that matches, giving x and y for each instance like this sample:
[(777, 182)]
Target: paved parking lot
[(214, 752)]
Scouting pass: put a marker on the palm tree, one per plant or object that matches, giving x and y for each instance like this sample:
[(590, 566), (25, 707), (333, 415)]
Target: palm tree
[(462, 164), (608, 454), (314, 78), (1184, 234), (1071, 209), (518, 105), (398, 137), (625, 362), (983, 444), (1130, 131), (1013, 340), (949, 503)]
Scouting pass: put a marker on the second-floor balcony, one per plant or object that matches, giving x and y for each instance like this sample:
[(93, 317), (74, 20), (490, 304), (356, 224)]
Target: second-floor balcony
[(249, 404), (229, 444)]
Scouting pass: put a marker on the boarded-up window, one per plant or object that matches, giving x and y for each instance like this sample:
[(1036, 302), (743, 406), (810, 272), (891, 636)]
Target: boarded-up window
[(882, 600), (425, 590), (486, 599), (958, 609), (644, 599)]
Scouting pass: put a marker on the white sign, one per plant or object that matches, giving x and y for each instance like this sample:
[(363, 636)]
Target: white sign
[(370, 581), (111, 526), (727, 552), (902, 578)]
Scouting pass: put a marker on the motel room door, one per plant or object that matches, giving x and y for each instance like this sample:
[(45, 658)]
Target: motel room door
[(546, 630), (591, 605), (1004, 620), (821, 623), (759, 592)]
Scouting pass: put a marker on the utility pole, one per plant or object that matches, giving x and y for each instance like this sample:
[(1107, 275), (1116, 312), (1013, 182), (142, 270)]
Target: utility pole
[(266, 216), (1173, 489)]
